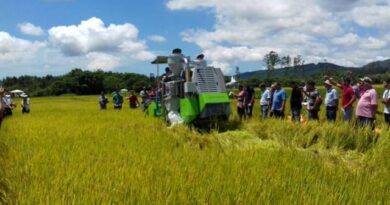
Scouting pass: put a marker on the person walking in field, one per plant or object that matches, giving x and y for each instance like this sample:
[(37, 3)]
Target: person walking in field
[(348, 97), (296, 102), (367, 105), (314, 101), (249, 99), (279, 101), (103, 101), (265, 99), (331, 101), (386, 101), (240, 102), (25, 103), (133, 100), (118, 101)]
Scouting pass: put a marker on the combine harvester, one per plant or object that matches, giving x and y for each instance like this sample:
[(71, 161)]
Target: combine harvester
[(191, 92)]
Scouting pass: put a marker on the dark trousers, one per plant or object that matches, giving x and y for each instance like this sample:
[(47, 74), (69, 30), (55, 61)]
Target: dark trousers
[(118, 106), (387, 119), (365, 121), (241, 113), (296, 114), (331, 113), (25, 110), (7, 111), (264, 111), (312, 115), (249, 110), (278, 114)]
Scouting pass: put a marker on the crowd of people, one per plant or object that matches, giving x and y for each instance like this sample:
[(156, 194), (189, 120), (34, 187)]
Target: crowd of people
[(147, 96), (7, 105), (273, 101)]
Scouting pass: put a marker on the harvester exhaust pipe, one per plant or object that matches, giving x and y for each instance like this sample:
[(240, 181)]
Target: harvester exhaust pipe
[(187, 70), (188, 74)]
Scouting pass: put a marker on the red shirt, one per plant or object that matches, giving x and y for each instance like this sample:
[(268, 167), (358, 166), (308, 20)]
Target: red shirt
[(133, 101), (347, 94)]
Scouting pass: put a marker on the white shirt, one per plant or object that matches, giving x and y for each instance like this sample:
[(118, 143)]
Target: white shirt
[(265, 97), (331, 97), (199, 63), (386, 96)]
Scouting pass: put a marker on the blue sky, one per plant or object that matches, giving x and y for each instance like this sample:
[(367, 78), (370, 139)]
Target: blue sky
[(39, 37)]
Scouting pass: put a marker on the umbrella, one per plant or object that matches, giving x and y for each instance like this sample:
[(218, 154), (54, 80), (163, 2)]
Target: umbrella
[(17, 92)]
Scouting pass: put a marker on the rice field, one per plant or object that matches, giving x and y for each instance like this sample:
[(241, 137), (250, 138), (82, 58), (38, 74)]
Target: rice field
[(67, 151)]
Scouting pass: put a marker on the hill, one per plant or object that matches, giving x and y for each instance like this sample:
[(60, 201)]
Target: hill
[(308, 70)]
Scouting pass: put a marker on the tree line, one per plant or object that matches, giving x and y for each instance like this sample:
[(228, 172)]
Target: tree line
[(78, 82), (273, 59)]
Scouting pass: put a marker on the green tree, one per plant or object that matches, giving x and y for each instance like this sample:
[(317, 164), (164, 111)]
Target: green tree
[(271, 60)]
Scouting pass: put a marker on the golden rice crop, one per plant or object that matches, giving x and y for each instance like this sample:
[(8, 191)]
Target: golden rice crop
[(69, 152)]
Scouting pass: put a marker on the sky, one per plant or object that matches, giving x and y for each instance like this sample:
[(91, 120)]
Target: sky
[(40, 37)]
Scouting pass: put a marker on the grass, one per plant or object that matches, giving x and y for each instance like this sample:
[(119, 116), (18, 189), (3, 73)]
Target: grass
[(68, 152)]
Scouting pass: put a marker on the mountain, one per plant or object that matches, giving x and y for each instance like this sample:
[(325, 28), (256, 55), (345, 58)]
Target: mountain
[(376, 67), (312, 69)]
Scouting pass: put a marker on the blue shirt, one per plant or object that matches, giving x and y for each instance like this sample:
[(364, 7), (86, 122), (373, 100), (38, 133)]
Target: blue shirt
[(118, 100), (279, 97)]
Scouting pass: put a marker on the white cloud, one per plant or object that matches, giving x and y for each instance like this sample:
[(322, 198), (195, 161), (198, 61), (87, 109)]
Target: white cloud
[(157, 38), (373, 43), (102, 61), (90, 45), (189, 4), (97, 45), (348, 39), (31, 29), (372, 16), (93, 35), (246, 30), (14, 50)]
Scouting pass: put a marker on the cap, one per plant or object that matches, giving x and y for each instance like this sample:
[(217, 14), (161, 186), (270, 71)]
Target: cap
[(366, 80), (327, 82)]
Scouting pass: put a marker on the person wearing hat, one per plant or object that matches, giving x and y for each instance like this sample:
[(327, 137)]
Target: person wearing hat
[(348, 97), (200, 61), (386, 101), (25, 103), (367, 105), (331, 101)]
